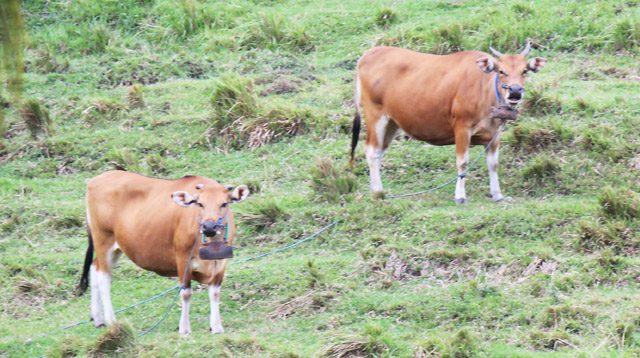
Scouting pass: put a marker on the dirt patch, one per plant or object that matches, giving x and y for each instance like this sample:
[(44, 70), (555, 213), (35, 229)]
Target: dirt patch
[(395, 266), (538, 265), (310, 302), (282, 86)]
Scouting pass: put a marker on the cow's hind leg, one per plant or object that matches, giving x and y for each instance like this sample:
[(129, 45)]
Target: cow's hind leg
[(492, 165), (463, 139), (376, 144), (215, 321), (96, 304), (106, 255)]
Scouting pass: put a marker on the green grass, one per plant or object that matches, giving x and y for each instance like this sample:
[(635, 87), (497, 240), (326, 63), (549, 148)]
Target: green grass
[(149, 85)]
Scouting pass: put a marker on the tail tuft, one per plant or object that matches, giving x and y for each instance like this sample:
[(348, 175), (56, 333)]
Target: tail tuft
[(88, 259), (355, 134)]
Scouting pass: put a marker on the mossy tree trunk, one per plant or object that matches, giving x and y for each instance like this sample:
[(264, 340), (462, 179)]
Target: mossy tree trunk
[(11, 52)]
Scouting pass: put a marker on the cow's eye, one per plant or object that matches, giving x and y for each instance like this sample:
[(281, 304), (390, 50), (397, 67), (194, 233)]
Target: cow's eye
[(199, 204), (224, 205), (524, 73), (503, 73)]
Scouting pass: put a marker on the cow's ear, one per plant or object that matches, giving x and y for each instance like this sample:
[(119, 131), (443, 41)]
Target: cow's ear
[(535, 64), (184, 199), (486, 64), (239, 193)]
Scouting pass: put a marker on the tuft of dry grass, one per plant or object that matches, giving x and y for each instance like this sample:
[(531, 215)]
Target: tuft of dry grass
[(315, 277), (36, 117), (68, 348), (354, 347), (117, 339), (530, 137), (373, 343), (448, 38), (329, 183), (538, 103), (620, 203), (102, 109), (626, 35), (234, 347), (265, 215), (232, 99), (292, 306), (552, 340), (274, 31), (276, 124), (541, 167), (242, 122), (135, 96), (618, 236), (385, 17), (123, 159)]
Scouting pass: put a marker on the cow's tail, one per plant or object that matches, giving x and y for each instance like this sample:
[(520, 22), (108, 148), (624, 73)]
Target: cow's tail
[(355, 130), (88, 259)]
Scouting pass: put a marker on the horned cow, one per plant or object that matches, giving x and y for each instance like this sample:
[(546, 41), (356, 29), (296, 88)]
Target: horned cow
[(138, 216), (438, 99)]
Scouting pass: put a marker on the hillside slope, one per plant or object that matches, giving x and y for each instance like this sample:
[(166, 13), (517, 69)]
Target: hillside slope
[(259, 92)]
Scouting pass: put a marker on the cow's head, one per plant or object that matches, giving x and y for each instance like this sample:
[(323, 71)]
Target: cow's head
[(511, 71), (213, 202)]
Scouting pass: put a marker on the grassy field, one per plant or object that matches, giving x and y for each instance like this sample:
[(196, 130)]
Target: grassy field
[(259, 92)]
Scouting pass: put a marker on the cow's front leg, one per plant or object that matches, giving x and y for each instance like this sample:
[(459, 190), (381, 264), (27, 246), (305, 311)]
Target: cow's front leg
[(184, 274), (492, 165), (215, 320), (462, 138), (185, 298)]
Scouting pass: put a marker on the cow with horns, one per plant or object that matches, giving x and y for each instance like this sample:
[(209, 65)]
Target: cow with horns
[(442, 100), (160, 225)]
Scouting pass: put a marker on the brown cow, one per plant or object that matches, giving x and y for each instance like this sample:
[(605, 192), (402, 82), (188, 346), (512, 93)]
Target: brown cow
[(438, 99), (134, 214)]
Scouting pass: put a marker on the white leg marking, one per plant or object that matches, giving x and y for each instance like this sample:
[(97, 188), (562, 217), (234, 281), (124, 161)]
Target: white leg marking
[(374, 154), (461, 163), (185, 298), (374, 157), (114, 254), (214, 298), (104, 286), (494, 183), (96, 304)]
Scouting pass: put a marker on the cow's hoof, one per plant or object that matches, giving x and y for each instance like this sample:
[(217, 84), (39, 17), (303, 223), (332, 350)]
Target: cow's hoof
[(502, 199), (100, 324), (216, 330), (378, 195), (497, 198), (185, 332), (461, 200)]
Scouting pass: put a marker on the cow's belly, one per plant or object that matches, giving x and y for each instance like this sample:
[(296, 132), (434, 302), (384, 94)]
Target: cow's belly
[(435, 135), (149, 254)]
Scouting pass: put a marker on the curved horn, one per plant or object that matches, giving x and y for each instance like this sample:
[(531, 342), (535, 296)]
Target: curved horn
[(495, 52), (527, 49)]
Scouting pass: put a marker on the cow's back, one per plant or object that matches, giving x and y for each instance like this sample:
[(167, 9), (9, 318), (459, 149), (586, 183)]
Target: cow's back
[(416, 88), (115, 195)]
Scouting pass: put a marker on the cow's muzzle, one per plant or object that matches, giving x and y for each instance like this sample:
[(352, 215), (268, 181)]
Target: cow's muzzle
[(211, 228), (514, 94)]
